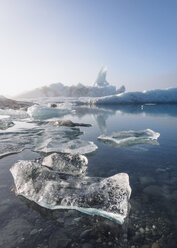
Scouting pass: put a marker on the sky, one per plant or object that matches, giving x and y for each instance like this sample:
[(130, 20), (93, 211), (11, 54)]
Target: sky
[(68, 41)]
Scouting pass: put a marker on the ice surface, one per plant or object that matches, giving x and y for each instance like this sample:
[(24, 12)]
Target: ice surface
[(151, 96), (21, 114), (66, 163), (43, 137), (64, 141), (5, 124), (68, 123), (130, 138), (43, 112), (94, 196)]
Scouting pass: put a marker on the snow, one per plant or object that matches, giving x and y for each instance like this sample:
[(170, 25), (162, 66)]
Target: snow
[(107, 197), (138, 97), (130, 138)]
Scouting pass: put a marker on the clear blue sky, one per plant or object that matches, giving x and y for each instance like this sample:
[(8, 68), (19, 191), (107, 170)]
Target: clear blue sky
[(47, 41)]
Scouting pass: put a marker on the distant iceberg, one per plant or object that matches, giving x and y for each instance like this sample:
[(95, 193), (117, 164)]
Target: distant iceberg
[(130, 138), (100, 88), (138, 97), (50, 188)]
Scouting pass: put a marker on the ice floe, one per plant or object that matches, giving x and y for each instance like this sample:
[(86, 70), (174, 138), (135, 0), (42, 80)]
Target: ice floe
[(43, 137), (107, 197), (68, 123), (15, 114), (44, 112), (130, 138), (138, 97), (5, 124), (65, 141)]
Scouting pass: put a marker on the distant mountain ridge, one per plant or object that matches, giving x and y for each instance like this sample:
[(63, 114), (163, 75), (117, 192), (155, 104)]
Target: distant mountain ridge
[(100, 88)]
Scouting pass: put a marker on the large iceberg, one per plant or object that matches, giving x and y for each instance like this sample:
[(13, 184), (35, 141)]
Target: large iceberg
[(100, 88), (130, 138), (50, 188), (138, 97)]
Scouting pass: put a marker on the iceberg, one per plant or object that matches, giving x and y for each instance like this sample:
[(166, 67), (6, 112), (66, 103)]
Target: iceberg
[(106, 197), (72, 164), (43, 112), (100, 88), (130, 138), (151, 96)]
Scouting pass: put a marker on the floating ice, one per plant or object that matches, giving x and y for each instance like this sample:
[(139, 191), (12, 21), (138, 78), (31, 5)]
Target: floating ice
[(68, 123), (66, 163), (5, 124), (63, 144), (94, 196), (42, 112), (130, 138), (41, 137), (18, 137), (151, 96), (21, 114)]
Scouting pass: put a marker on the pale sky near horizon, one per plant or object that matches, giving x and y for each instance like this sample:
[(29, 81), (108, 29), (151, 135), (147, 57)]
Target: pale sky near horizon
[(48, 41)]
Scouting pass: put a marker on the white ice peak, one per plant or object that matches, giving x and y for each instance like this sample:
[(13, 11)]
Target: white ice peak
[(101, 78)]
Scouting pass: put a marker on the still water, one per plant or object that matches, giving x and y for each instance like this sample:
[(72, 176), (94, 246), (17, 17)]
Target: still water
[(152, 169)]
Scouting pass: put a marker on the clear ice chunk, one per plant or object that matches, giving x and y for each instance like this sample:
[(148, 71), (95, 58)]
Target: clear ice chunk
[(66, 163), (106, 197)]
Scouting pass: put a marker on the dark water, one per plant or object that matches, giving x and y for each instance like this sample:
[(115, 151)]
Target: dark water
[(152, 169)]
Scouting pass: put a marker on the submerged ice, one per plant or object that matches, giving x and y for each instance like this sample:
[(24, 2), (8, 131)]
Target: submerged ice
[(52, 188), (42, 137), (63, 139), (130, 138)]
